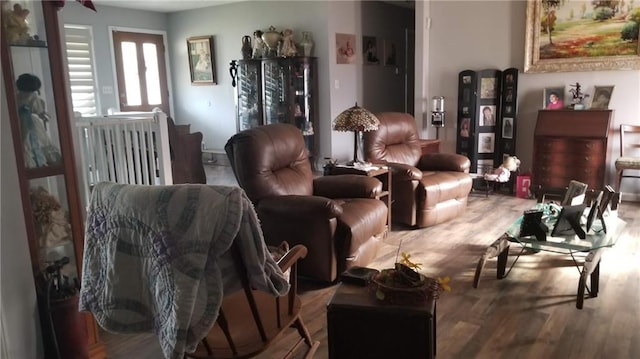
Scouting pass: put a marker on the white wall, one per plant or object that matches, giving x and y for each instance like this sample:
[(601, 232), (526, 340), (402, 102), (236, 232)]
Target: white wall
[(211, 109), (18, 306), (478, 35)]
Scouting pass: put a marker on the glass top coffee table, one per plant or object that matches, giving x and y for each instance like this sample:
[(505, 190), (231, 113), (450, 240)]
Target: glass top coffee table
[(593, 244)]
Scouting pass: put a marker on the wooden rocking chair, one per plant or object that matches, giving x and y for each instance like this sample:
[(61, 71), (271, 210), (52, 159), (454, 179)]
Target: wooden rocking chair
[(236, 335)]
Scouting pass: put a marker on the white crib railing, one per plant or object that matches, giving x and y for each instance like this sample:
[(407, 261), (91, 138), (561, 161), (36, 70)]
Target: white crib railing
[(131, 149)]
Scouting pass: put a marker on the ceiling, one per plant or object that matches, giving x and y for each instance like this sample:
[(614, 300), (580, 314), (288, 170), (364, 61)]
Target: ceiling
[(180, 5), (163, 5)]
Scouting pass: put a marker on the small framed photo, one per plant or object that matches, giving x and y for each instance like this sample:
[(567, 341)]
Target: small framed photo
[(601, 97), (553, 98), (465, 126), (201, 57), (390, 53), (508, 109), (486, 142), (345, 48), (487, 116), (488, 87), (484, 167), (370, 51), (507, 127)]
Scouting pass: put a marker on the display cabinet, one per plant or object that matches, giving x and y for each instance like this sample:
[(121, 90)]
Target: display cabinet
[(39, 111), (278, 90)]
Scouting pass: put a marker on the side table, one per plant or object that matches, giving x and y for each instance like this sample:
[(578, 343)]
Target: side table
[(360, 326), (380, 172)]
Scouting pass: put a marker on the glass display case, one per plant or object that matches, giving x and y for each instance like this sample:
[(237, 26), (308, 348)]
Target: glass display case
[(277, 90), (39, 110)]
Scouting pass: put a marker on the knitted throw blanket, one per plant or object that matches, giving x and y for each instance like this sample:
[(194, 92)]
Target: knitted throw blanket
[(157, 258)]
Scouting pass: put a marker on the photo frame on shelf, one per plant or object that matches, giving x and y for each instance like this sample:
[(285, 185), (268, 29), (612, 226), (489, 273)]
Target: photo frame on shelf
[(601, 97), (553, 98), (370, 54), (616, 53), (201, 60)]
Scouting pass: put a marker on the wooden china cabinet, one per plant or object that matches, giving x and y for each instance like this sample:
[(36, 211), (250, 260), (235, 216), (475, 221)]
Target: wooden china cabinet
[(40, 114)]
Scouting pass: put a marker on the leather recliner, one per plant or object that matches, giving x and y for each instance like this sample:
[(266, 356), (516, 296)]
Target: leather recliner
[(427, 189), (336, 217)]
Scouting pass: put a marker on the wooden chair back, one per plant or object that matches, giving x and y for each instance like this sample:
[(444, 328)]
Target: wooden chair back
[(250, 321)]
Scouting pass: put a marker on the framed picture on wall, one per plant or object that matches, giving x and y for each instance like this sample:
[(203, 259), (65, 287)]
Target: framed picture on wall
[(370, 51), (201, 66), (345, 49)]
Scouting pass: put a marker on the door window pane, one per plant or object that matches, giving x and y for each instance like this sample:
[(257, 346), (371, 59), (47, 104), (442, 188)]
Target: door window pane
[(130, 64), (152, 73)]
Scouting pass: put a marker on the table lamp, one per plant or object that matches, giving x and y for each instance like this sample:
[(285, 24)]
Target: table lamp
[(358, 120)]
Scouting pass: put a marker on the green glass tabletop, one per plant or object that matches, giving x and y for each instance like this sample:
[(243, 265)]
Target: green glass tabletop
[(595, 238)]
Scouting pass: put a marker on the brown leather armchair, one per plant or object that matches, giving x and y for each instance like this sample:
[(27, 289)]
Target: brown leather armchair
[(427, 189), (336, 217)]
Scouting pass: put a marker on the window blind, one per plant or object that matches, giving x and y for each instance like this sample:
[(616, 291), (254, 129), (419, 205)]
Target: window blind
[(81, 62)]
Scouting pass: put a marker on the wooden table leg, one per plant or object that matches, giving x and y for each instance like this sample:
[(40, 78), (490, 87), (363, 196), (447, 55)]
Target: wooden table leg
[(500, 249), (591, 268)]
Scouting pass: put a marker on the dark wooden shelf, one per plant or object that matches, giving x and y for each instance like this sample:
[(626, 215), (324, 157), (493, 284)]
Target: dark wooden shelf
[(40, 172)]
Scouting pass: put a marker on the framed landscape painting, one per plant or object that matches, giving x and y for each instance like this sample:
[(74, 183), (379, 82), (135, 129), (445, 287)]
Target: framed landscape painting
[(567, 36)]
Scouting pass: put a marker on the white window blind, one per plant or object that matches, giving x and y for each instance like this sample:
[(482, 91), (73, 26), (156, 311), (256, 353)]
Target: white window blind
[(80, 57)]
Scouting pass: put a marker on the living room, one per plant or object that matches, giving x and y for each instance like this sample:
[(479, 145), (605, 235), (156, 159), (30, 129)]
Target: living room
[(456, 36)]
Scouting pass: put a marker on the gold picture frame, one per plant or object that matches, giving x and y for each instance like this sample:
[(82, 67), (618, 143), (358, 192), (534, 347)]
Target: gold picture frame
[(576, 53), (201, 60)]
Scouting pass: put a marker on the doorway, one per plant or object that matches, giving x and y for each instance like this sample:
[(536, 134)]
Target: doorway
[(141, 71)]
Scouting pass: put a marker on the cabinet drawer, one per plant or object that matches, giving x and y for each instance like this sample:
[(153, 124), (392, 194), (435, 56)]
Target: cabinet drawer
[(567, 170), (564, 145), (561, 180), (576, 159)]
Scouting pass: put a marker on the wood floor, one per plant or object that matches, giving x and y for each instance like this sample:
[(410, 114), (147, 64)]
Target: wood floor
[(529, 314)]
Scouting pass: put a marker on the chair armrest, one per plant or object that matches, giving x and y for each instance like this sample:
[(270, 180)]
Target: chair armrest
[(298, 251), (444, 162), (293, 206), (404, 172), (347, 186)]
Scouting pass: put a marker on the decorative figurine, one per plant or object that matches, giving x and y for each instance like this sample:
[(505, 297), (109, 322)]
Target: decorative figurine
[(39, 150), (288, 46), (258, 45), (578, 97), (15, 24)]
